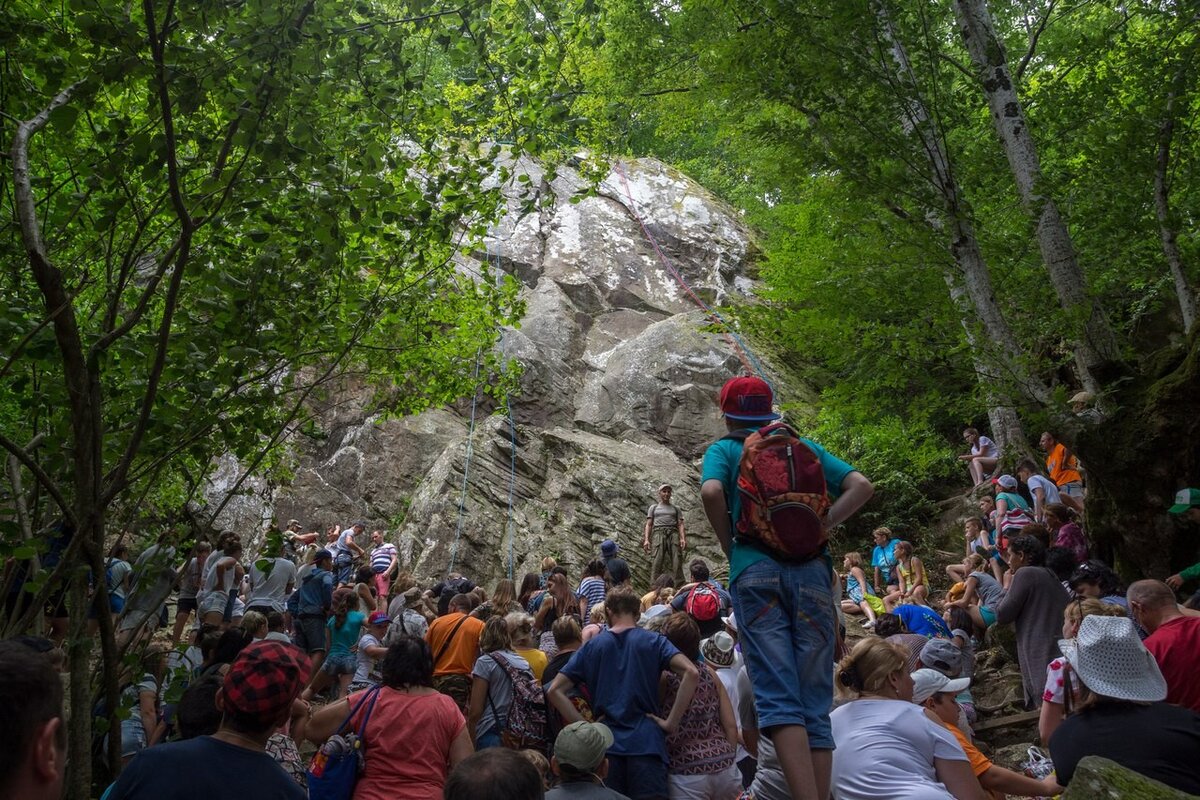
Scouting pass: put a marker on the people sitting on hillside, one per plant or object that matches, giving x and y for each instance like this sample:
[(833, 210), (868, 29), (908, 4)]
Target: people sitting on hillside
[(1065, 531), (1013, 511), (983, 457), (982, 593), (1063, 690), (976, 540), (883, 562), (935, 693), (1121, 715), (1097, 580), (1064, 469), (860, 600), (653, 597), (703, 599), (885, 744), (891, 629), (1041, 489), (911, 579)]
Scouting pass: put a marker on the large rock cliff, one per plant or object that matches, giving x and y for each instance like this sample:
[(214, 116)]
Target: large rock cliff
[(617, 395)]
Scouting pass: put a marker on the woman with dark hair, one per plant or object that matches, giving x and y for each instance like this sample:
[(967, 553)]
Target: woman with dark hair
[(1096, 579), (1060, 520), (663, 581), (592, 588), (531, 590), (1034, 605), (415, 735)]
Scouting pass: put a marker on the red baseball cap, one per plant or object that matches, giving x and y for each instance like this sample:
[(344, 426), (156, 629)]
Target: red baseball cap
[(747, 399), (264, 679)]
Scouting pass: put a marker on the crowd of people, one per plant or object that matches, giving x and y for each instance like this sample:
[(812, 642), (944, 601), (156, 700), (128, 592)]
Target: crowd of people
[(574, 683)]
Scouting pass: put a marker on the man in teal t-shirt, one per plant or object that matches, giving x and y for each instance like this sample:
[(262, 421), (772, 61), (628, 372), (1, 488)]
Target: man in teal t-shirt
[(785, 610)]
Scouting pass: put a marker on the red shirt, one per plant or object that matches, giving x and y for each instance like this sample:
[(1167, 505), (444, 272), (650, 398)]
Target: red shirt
[(1176, 648)]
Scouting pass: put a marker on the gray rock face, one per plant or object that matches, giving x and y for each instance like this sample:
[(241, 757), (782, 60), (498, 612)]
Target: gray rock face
[(1098, 778), (618, 393)]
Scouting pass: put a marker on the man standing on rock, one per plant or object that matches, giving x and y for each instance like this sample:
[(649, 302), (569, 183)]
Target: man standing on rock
[(787, 625), (664, 526)]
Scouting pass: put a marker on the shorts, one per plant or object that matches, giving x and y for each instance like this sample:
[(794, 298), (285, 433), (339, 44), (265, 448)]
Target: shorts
[(185, 605), (456, 686), (215, 603), (310, 633), (989, 616), (342, 664), (382, 584), (116, 603), (638, 777), (1072, 489), (133, 737), (726, 783), (264, 610), (786, 627)]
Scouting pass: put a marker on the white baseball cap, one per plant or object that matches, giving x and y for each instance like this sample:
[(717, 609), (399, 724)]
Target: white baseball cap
[(928, 682)]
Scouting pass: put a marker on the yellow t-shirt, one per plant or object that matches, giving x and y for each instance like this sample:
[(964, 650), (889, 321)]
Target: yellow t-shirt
[(537, 661)]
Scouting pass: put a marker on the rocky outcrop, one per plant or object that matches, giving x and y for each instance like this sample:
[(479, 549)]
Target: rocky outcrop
[(617, 394), (1098, 778)]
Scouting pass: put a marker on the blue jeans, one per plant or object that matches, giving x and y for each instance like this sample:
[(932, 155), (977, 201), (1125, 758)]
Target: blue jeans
[(786, 626), (343, 568), (638, 777), (489, 739)]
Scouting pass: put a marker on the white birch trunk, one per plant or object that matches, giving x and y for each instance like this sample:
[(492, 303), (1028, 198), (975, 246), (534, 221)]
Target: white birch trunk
[(1006, 363), (1096, 343), (1162, 209)]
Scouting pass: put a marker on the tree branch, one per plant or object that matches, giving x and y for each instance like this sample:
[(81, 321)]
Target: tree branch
[(23, 455), (1033, 41)]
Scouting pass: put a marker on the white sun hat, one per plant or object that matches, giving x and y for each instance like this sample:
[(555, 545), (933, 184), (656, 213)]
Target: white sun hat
[(1111, 660)]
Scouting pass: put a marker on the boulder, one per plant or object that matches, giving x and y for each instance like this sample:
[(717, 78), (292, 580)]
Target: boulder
[(620, 373), (1098, 778)]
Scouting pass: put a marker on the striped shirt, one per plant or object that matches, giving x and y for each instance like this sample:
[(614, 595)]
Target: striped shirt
[(381, 557)]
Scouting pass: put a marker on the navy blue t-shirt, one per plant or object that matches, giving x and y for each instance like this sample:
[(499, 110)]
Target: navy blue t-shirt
[(923, 620), (621, 671), (204, 768)]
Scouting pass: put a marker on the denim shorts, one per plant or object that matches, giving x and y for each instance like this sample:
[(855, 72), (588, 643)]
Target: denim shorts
[(1071, 489), (786, 627), (344, 664)]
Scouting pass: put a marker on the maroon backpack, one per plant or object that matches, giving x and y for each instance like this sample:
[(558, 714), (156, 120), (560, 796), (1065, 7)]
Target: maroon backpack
[(783, 492)]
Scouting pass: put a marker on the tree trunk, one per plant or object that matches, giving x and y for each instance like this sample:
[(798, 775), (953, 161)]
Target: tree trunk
[(995, 374), (1167, 230), (1139, 458), (1096, 344)]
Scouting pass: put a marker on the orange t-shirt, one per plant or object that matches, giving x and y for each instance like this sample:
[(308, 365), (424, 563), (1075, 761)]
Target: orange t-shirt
[(459, 658), (1062, 469), (979, 762)]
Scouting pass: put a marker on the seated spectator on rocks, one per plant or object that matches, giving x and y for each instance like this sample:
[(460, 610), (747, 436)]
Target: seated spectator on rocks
[(977, 542), (1174, 639), (982, 593), (1062, 691), (621, 669), (581, 764), (891, 628), (520, 630), (494, 774), (946, 657), (1097, 580), (1059, 518), (935, 693), (922, 620), (415, 734), (276, 628), (1034, 605), (1013, 511), (255, 698), (1041, 489), (983, 457), (700, 755), (886, 746), (883, 561), (492, 684), (703, 599), (197, 713), (1121, 716), (33, 734), (910, 574), (860, 601), (1037, 531), (1062, 563), (663, 581)]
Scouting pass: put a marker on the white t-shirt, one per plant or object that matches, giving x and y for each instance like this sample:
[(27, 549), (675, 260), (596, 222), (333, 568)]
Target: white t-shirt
[(985, 447), (365, 672), (271, 589), (886, 748), (1049, 490)]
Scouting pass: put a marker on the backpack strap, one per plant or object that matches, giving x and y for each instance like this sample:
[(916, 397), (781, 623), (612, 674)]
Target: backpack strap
[(446, 644), (372, 694), (739, 435)]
